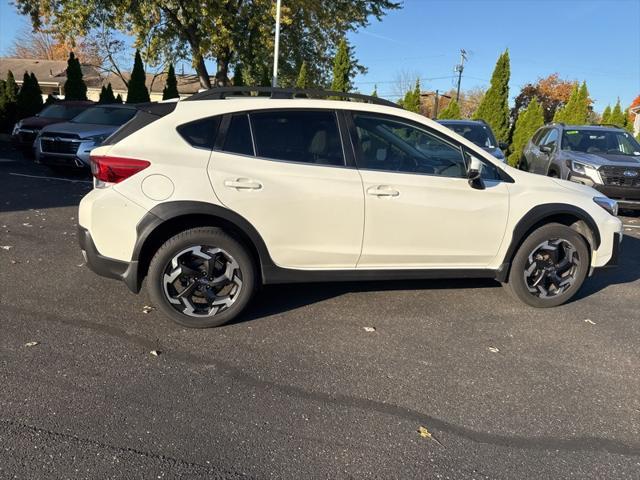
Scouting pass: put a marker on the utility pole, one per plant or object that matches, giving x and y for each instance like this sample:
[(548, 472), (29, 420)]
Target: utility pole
[(435, 106), (276, 48), (459, 68)]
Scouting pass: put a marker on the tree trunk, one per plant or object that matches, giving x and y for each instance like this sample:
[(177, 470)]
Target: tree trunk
[(201, 70), (222, 75)]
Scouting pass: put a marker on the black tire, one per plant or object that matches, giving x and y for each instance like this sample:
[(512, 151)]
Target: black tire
[(567, 242), (234, 266)]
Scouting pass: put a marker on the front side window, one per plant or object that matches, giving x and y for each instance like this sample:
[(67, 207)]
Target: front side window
[(391, 145), (538, 136), (600, 141), (552, 139), (298, 136)]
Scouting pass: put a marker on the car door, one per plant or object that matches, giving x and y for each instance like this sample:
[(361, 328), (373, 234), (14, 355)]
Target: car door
[(550, 142), (532, 151), (285, 172), (420, 211)]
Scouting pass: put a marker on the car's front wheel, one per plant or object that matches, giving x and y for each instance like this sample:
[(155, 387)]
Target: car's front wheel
[(549, 267), (201, 278)]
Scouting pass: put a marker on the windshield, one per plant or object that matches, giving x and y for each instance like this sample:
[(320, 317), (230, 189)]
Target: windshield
[(105, 116), (600, 141), (61, 111), (477, 133)]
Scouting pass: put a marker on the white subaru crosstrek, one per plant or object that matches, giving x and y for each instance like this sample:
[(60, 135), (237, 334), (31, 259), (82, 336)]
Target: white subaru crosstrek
[(211, 197)]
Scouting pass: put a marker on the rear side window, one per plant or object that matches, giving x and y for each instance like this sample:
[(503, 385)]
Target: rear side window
[(238, 136), (298, 136), (201, 133)]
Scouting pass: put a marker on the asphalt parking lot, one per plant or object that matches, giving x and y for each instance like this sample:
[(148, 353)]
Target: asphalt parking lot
[(298, 388)]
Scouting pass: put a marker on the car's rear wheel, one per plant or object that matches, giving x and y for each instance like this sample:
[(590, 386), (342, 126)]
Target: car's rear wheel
[(549, 267), (201, 278)]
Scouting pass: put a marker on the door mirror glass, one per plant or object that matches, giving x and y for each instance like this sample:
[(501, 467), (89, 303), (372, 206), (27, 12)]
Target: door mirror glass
[(545, 148), (474, 173)]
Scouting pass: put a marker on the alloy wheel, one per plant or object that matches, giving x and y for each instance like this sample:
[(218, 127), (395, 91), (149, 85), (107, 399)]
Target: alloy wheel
[(202, 281), (551, 268)]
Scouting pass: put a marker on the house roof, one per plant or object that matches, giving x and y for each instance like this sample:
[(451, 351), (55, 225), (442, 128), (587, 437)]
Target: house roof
[(51, 71), (55, 71)]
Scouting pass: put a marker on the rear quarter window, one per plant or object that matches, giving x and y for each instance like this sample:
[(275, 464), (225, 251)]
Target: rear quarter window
[(200, 133)]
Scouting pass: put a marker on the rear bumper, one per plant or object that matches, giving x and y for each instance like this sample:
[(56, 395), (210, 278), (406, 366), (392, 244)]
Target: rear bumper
[(105, 266)]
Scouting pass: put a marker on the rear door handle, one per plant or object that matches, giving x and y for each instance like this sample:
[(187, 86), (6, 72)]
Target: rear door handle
[(383, 191), (243, 184)]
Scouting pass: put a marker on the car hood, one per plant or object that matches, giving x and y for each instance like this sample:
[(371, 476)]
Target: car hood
[(83, 130), (38, 122), (601, 159)]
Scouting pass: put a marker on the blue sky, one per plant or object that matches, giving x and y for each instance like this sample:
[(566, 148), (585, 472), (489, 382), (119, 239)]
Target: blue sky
[(596, 41)]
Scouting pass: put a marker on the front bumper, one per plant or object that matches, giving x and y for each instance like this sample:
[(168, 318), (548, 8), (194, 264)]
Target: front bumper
[(105, 266), (24, 138)]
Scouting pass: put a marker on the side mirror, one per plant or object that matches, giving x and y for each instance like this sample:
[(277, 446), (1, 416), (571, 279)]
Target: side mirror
[(545, 149), (502, 146), (474, 173)]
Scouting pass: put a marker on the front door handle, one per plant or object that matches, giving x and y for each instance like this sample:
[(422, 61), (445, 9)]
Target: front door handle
[(243, 184), (383, 191)]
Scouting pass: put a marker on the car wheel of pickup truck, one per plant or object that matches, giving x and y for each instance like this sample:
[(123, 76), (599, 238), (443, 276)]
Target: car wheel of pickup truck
[(549, 267)]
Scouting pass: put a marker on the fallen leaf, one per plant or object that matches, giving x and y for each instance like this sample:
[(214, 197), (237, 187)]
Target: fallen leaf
[(6, 247), (31, 344), (369, 329), (27, 225), (424, 433), (589, 321), (146, 309), (494, 349), (155, 353)]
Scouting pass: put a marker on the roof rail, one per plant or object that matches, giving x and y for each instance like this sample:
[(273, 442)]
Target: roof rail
[(220, 93), (606, 125)]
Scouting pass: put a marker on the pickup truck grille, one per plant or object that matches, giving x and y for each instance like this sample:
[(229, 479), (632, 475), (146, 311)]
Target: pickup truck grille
[(620, 176)]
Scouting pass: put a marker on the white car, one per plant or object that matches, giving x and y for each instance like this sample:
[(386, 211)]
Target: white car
[(211, 197)]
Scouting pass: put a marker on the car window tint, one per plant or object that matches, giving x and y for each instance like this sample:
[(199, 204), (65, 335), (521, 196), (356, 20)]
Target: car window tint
[(298, 136), (538, 136), (238, 136), (551, 139), (391, 145), (201, 133)]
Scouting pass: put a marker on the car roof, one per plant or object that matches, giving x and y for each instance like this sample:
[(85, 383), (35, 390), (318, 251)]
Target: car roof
[(462, 122), (584, 127)]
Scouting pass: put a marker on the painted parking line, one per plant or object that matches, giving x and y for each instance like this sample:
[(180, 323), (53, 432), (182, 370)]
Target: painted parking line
[(50, 178), (631, 226), (6, 160)]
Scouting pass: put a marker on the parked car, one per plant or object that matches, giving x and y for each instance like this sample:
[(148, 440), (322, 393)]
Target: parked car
[(478, 132), (211, 197), (26, 130), (69, 144), (606, 158)]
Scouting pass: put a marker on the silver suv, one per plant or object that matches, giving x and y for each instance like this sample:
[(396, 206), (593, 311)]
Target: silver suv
[(604, 157)]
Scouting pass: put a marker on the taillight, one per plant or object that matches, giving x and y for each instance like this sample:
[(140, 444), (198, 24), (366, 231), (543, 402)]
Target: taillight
[(115, 169)]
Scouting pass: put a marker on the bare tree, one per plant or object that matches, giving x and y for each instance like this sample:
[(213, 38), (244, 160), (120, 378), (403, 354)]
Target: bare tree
[(404, 81)]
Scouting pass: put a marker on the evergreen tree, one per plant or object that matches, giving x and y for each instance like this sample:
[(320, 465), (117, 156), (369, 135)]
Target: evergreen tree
[(302, 81), (342, 68), (171, 85), (494, 107), (74, 87), (628, 122), (119, 99), (411, 100), (50, 99), (576, 110), (606, 115), (238, 77), (375, 91), (106, 95), (452, 112), (137, 89), (526, 125), (617, 116), (29, 101), (8, 102)]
